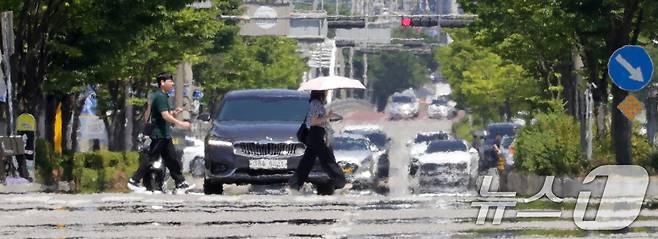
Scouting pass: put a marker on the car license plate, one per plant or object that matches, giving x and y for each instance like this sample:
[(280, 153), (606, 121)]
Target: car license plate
[(348, 170), (268, 164)]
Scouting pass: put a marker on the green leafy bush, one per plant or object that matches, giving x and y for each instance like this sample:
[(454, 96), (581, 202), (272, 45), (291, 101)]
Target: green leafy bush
[(652, 162), (463, 130), (110, 170), (90, 181), (46, 164), (604, 152), (551, 147)]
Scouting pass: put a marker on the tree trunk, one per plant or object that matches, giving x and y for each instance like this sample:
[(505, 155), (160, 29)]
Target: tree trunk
[(621, 126), (67, 116), (77, 111), (51, 111), (42, 127), (621, 129), (108, 127)]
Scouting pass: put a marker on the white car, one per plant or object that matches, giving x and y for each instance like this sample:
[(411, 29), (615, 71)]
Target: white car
[(418, 144), (403, 106), (448, 163), (357, 156), (193, 155), (441, 108)]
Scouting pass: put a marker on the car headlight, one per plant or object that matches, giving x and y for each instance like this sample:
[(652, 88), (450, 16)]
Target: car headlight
[(367, 161), (214, 141)]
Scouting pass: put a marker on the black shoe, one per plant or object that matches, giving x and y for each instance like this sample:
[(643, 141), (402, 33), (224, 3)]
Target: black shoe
[(184, 186), (339, 183)]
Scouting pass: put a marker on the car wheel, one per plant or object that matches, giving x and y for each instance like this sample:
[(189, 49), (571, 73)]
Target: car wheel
[(325, 189), (197, 167), (210, 187)]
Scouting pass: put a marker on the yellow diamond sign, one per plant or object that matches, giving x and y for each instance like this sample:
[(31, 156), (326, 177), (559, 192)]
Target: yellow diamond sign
[(630, 107)]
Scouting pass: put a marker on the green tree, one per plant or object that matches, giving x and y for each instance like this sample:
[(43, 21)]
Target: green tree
[(250, 62), (591, 30), (182, 35), (394, 71), (483, 82), (63, 44)]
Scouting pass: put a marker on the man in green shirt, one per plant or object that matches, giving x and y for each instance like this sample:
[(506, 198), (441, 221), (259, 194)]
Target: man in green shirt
[(162, 118)]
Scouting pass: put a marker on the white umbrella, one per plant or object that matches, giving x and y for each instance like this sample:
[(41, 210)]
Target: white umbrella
[(331, 83)]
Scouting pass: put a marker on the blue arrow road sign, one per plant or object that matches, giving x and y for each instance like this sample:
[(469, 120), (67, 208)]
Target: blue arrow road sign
[(630, 68)]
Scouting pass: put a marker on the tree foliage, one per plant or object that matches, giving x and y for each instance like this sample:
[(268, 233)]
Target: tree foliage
[(394, 71), (250, 62), (483, 82), (550, 147), (542, 35)]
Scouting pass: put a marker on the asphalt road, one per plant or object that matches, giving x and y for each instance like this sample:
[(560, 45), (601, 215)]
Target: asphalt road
[(268, 212), (269, 216)]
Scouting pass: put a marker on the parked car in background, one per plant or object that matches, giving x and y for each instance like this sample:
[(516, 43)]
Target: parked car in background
[(448, 163), (192, 160)]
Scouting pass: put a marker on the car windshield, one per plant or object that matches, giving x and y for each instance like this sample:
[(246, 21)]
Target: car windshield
[(401, 99), (378, 139), (503, 130), (440, 102), (424, 138), (446, 146), (264, 109), (375, 137), (507, 141), (350, 144)]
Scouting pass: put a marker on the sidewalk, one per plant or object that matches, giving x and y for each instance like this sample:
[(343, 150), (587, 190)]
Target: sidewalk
[(16, 185)]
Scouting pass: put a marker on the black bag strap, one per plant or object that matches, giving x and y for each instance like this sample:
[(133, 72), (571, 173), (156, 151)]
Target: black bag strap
[(305, 117)]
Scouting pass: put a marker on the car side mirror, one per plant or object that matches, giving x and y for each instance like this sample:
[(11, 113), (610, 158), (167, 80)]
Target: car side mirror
[(336, 117), (473, 151), (204, 116)]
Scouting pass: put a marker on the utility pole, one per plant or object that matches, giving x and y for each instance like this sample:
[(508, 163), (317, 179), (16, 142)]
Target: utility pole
[(6, 20), (351, 91), (183, 76), (365, 55)]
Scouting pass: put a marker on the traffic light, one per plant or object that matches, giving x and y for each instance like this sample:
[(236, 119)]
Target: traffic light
[(419, 22)]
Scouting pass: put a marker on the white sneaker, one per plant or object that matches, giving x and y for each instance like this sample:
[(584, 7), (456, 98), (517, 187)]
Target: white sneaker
[(293, 192), (344, 190), (134, 186), (348, 186)]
